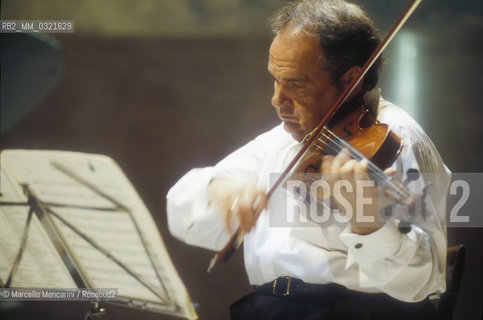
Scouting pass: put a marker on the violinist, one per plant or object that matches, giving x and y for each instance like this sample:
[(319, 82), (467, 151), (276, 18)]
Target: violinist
[(330, 270)]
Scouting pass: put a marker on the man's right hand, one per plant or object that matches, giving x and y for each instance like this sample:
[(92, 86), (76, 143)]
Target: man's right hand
[(240, 201)]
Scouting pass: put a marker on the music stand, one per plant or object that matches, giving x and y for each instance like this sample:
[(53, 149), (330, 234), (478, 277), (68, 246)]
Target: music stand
[(72, 202)]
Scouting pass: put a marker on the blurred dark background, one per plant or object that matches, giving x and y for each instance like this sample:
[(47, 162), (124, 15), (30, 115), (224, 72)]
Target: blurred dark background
[(165, 86)]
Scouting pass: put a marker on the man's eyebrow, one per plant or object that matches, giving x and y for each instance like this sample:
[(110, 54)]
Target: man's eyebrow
[(302, 79), (294, 79)]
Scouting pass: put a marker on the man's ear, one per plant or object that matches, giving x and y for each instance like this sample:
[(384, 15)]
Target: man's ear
[(350, 74)]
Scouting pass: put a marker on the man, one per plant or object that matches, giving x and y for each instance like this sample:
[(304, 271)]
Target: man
[(330, 271)]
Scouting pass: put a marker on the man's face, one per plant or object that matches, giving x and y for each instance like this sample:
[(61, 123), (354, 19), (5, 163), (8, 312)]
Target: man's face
[(303, 92)]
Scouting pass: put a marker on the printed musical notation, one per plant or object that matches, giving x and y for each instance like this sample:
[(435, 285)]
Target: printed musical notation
[(98, 219)]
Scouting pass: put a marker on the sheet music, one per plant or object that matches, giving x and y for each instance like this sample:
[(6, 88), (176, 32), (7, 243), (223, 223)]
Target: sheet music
[(115, 231), (40, 267)]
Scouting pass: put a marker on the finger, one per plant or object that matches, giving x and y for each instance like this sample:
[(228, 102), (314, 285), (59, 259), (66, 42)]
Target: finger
[(326, 167), (390, 172), (326, 163), (349, 166), (231, 214), (260, 202), (247, 221), (361, 166), (360, 170), (251, 205), (347, 171), (242, 215), (340, 159), (244, 225), (227, 222)]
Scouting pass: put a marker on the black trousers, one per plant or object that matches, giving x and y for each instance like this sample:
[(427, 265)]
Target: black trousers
[(325, 302)]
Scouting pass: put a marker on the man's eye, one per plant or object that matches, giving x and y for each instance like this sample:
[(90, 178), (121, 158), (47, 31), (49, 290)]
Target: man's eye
[(298, 86)]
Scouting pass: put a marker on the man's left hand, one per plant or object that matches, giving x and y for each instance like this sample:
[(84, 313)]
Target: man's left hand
[(357, 188)]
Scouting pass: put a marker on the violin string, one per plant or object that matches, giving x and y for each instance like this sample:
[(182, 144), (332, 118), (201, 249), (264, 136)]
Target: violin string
[(372, 168), (335, 144), (340, 143)]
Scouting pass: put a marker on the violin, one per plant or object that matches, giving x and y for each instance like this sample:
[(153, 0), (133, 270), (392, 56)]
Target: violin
[(358, 131), (364, 137)]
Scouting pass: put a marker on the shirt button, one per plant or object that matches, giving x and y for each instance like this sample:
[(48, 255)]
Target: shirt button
[(358, 245)]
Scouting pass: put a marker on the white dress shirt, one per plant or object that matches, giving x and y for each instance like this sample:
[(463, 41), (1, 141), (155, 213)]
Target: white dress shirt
[(406, 266)]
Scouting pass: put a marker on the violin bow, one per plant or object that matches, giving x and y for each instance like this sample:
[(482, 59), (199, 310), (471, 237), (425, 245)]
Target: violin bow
[(237, 238)]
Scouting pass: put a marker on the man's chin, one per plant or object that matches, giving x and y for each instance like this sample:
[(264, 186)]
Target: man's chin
[(294, 130)]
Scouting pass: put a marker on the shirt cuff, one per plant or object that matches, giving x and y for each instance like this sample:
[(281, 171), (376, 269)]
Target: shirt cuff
[(378, 245)]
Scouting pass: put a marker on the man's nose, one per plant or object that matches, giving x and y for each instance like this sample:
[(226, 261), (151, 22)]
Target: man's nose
[(279, 97)]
